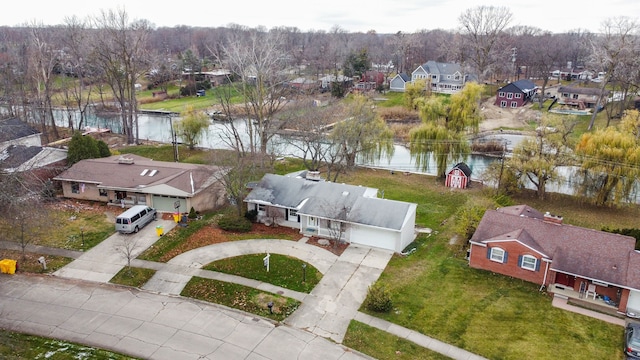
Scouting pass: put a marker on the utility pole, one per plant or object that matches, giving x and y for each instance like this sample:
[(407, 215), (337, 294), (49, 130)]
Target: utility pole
[(174, 141)]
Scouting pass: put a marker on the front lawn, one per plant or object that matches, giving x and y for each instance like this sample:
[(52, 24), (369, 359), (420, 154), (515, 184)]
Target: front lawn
[(131, 276), (240, 297), (284, 271)]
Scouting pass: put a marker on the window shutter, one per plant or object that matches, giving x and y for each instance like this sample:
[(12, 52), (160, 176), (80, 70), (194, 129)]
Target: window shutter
[(538, 261), (506, 256), (520, 260), (488, 252)]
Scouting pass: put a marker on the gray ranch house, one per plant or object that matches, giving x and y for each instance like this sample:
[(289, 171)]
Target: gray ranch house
[(350, 213), (130, 180)]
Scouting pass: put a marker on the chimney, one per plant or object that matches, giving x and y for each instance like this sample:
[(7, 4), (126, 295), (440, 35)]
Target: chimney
[(313, 175), (554, 219)]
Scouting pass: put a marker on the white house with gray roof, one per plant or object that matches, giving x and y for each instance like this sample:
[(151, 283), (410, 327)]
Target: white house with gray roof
[(330, 210)]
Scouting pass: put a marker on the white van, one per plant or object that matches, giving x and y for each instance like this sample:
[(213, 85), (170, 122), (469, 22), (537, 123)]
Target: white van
[(135, 218)]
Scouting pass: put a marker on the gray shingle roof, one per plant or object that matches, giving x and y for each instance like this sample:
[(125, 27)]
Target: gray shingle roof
[(14, 128), (169, 179), (350, 203)]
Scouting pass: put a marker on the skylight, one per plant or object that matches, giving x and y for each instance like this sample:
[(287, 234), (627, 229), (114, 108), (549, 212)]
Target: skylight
[(144, 172), (153, 172)]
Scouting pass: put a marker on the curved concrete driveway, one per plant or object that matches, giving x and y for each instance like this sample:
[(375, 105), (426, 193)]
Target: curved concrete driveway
[(170, 281)]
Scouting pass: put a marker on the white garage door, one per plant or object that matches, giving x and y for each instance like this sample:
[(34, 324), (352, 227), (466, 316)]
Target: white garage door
[(373, 237), (167, 203), (634, 301)]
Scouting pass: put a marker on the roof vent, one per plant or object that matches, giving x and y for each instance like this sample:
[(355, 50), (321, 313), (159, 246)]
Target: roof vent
[(345, 193), (125, 160)]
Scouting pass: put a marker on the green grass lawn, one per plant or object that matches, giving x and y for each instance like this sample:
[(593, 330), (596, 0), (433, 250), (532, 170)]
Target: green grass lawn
[(436, 293), (284, 271), (131, 276), (240, 297), (384, 346), (20, 346)]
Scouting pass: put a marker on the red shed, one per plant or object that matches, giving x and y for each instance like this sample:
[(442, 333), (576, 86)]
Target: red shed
[(459, 176)]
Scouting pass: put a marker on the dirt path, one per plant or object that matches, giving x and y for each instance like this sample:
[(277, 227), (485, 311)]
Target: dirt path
[(506, 118)]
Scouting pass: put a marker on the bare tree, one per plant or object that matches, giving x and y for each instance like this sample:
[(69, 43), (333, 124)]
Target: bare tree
[(127, 247), (615, 50), (260, 62), (120, 51), (483, 27)]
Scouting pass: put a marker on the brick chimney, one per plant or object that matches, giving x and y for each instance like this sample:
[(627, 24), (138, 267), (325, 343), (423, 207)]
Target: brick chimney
[(554, 219)]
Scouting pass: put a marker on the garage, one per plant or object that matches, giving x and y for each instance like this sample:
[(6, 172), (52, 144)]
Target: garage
[(167, 203), (633, 304)]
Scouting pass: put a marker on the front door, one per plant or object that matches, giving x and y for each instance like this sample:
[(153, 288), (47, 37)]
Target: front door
[(566, 280)]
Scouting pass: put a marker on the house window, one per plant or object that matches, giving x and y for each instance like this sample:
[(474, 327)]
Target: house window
[(103, 192), (514, 104), (75, 188), (312, 221), (497, 255), (501, 94), (518, 96), (503, 103), (434, 77), (457, 77), (529, 262), (335, 225), (574, 96), (293, 215), (510, 96)]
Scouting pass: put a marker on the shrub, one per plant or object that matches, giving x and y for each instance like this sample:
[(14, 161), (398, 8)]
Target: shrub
[(251, 215), (192, 213), (234, 223), (378, 299)]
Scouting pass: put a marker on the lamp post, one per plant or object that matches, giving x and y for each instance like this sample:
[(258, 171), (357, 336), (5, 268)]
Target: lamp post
[(304, 272)]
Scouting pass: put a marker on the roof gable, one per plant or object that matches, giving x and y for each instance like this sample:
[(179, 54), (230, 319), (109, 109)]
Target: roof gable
[(462, 167)]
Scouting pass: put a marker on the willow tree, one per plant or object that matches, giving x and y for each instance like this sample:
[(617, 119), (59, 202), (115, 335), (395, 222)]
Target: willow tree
[(610, 163), (537, 159), (445, 121), (193, 124), (362, 135)]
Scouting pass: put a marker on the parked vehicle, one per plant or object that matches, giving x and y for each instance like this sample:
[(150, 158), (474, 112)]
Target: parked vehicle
[(632, 340), (135, 219)]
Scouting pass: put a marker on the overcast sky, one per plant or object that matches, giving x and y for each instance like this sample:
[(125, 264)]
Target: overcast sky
[(383, 16)]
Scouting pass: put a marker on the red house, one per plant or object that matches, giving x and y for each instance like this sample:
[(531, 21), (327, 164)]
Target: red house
[(569, 261), (515, 94), (458, 177)]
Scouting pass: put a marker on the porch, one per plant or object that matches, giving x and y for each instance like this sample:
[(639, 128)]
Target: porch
[(582, 300)]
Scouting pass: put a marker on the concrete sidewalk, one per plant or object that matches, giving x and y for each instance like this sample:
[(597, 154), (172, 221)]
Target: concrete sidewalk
[(150, 326)]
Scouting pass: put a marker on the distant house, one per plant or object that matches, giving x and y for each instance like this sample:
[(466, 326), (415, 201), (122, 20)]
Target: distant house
[(581, 97), (458, 177), (398, 83), (21, 150), (318, 208), (370, 80), (134, 180), (569, 261), (446, 78), (326, 81), (516, 94), (303, 84)]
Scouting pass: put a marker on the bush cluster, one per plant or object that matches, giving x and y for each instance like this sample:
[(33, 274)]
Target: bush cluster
[(234, 223), (378, 299)]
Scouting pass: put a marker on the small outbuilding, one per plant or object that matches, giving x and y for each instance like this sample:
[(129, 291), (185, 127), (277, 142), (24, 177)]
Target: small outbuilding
[(459, 176)]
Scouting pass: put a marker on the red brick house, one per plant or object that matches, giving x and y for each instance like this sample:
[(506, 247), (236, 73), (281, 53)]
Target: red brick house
[(570, 261), (516, 94)]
